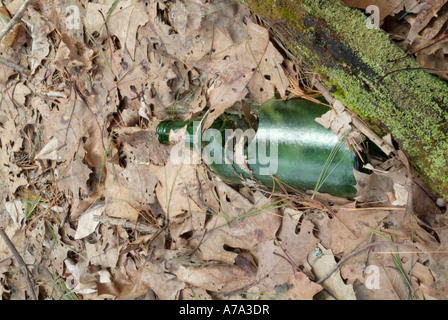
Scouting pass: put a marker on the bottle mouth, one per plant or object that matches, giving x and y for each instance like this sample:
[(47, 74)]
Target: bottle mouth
[(163, 136), (164, 128)]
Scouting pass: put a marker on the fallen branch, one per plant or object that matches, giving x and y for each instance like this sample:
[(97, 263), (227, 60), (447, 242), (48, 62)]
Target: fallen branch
[(124, 223), (15, 19), (15, 67)]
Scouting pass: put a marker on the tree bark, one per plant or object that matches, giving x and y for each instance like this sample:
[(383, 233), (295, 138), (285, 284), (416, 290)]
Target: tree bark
[(370, 76)]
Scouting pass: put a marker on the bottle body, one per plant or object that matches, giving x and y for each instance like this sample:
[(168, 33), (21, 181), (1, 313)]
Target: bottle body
[(289, 150)]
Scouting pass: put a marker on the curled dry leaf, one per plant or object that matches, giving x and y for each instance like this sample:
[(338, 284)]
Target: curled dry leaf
[(131, 282), (87, 223), (322, 264), (40, 29), (429, 10), (219, 278), (15, 210), (72, 53)]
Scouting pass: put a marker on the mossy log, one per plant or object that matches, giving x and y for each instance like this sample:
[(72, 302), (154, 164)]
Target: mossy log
[(370, 76)]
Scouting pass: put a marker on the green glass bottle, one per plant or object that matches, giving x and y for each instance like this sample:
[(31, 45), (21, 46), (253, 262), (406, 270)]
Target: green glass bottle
[(288, 148)]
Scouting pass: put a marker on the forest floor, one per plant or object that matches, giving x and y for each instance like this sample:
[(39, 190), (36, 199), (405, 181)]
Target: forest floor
[(95, 208)]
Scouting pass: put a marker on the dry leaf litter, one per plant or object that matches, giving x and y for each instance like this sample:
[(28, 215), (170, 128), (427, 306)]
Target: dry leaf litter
[(87, 191)]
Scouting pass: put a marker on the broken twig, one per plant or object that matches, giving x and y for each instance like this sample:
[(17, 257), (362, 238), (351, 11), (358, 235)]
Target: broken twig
[(140, 227), (15, 19), (15, 67)]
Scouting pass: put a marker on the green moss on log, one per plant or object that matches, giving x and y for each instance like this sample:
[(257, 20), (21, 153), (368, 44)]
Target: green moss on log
[(334, 41)]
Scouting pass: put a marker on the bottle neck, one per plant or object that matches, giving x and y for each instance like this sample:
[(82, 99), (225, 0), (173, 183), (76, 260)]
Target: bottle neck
[(170, 127)]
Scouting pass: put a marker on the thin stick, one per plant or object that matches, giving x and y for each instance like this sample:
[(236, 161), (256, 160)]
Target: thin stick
[(354, 253), (154, 237), (140, 227), (19, 259), (15, 19), (15, 67)]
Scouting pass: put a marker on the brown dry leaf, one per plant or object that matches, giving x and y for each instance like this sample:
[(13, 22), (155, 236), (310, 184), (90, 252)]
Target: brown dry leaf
[(426, 43), (128, 188), (381, 280), (177, 193), (73, 176), (437, 62), (349, 227), (80, 279), (355, 275), (15, 210), (297, 239), (195, 294), (151, 80), (96, 149), (430, 39), (373, 187), (55, 250), (142, 146), (153, 276), (65, 124), (322, 263), (124, 21), (13, 276), (253, 66), (239, 224), (219, 278), (6, 72), (336, 118), (434, 257), (279, 260), (87, 223), (104, 252), (302, 287), (199, 27), (72, 53), (178, 185), (13, 97)]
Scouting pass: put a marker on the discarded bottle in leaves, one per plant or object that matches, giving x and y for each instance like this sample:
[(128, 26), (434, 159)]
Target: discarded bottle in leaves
[(286, 149)]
